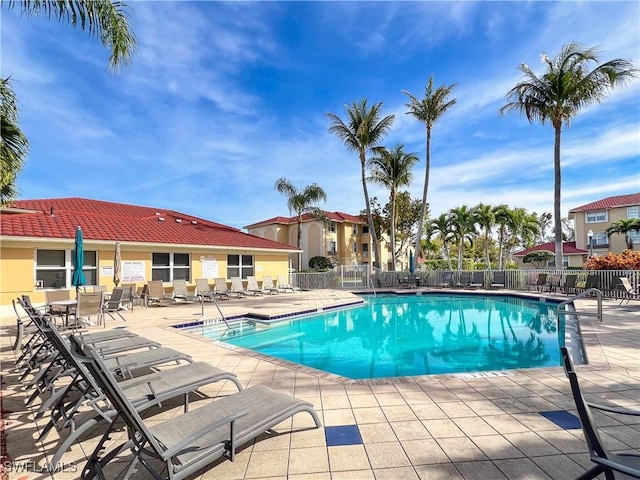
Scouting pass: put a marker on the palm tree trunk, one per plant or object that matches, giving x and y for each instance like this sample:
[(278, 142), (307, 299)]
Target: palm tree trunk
[(557, 219), (487, 260), (393, 229), (299, 241), (372, 230), (460, 253), (423, 209)]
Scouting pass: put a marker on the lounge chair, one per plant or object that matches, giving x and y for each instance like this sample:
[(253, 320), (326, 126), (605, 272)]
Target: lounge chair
[(237, 287), (205, 291), (252, 286), (143, 392), (629, 292), (464, 280), (285, 286), (498, 280), (222, 289), (181, 292), (477, 279), (156, 294), (268, 286), (613, 465), (187, 443), (447, 279), (570, 284)]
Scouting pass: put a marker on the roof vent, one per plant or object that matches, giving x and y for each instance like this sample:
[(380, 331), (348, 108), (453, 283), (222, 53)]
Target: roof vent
[(178, 220), (52, 212), (161, 219), (193, 222)]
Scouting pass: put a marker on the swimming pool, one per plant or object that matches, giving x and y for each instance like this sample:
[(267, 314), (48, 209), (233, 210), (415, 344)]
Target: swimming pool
[(406, 335)]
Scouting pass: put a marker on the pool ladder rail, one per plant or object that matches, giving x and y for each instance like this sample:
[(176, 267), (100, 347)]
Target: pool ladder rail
[(598, 313), (223, 318)]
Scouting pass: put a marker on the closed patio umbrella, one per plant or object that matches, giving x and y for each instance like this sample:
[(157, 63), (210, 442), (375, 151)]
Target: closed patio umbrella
[(412, 266), (117, 265), (78, 261)]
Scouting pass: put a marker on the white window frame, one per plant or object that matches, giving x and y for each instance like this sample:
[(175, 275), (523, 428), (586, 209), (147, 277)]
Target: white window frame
[(355, 247), (565, 262), (332, 227), (172, 268), (365, 250), (633, 212), (245, 268), (66, 269), (332, 247), (599, 240), (596, 216), (354, 229)]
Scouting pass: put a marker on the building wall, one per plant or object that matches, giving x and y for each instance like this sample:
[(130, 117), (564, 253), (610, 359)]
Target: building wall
[(18, 265), (617, 243)]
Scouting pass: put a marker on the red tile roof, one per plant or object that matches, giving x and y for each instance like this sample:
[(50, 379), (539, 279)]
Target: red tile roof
[(610, 202), (59, 217), (568, 248), (339, 217)]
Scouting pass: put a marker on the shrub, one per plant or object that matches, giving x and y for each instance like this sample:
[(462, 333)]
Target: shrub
[(627, 260), (320, 263)]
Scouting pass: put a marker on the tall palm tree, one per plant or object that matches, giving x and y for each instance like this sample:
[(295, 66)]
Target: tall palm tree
[(442, 226), (567, 86), (104, 19), (485, 217), (364, 129), (428, 110), (624, 226), (302, 201), (463, 222), (522, 229), (503, 217), (391, 168)]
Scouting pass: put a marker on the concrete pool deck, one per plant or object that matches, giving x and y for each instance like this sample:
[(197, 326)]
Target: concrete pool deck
[(435, 427)]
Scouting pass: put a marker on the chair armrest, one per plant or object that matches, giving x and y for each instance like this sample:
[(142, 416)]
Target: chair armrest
[(139, 381), (200, 432), (614, 409), (618, 467)]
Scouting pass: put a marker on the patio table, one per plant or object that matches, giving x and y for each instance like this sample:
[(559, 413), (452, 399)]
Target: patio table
[(68, 305)]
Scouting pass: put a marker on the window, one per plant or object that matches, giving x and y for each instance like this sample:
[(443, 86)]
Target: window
[(54, 268), (565, 262), (600, 240), (332, 227), (365, 250), (332, 247), (354, 230), (365, 229), (355, 247), (596, 216), (239, 266), (633, 212), (170, 266)]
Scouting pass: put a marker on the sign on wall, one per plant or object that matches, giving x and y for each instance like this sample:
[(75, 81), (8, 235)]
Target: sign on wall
[(132, 271), (209, 268), (106, 271)]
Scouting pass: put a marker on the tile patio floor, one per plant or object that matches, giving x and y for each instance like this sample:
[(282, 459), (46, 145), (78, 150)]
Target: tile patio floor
[(437, 427)]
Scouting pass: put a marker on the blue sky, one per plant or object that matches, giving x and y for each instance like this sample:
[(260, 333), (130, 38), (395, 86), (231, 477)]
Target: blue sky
[(222, 99)]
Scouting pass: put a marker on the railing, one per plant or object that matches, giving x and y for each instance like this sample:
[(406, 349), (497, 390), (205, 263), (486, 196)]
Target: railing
[(362, 276), (562, 311)]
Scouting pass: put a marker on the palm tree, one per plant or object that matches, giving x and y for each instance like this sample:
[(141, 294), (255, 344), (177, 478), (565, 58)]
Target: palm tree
[(301, 201), (523, 228), (428, 111), (567, 86), (104, 19), (463, 222), (14, 146), (624, 226), (503, 217), (364, 130), (442, 226), (391, 168), (485, 217)]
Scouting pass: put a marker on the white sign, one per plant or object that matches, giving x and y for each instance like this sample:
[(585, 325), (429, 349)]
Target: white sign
[(133, 272), (106, 271), (210, 269)]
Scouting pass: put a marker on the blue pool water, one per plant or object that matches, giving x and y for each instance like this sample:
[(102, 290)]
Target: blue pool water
[(405, 335)]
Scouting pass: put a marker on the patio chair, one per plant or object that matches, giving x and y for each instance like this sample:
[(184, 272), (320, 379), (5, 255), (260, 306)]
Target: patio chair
[(570, 284), (237, 288), (498, 280), (181, 292), (477, 279), (268, 286), (207, 293), (285, 286), (190, 442), (447, 279), (540, 283), (54, 296), (222, 289), (252, 286), (613, 465), (128, 295), (113, 306), (464, 280), (629, 292), (156, 294), (90, 304)]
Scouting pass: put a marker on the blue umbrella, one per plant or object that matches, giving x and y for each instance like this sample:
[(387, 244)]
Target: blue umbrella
[(78, 261), (412, 266)]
